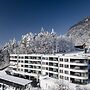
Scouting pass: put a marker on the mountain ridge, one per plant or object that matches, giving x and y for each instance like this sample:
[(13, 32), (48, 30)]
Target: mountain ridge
[(80, 32)]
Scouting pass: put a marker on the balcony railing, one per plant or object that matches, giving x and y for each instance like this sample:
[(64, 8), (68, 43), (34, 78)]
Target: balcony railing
[(78, 61), (78, 74), (78, 68), (79, 82)]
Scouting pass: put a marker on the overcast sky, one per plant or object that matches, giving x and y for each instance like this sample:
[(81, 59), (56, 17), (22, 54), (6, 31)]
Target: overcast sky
[(19, 17)]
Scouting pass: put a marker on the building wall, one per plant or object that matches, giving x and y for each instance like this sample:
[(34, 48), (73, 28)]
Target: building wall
[(70, 67)]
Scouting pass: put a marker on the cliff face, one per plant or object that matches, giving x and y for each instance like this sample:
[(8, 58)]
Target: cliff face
[(80, 32)]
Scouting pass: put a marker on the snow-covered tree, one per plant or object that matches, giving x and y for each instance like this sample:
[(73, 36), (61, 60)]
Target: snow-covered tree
[(64, 44), (44, 42)]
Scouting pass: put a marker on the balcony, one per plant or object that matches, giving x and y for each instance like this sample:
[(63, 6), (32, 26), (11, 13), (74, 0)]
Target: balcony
[(78, 67), (78, 74), (53, 59), (78, 81), (79, 61)]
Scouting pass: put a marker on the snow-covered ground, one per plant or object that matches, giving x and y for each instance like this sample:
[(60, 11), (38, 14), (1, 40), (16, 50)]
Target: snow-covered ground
[(48, 83)]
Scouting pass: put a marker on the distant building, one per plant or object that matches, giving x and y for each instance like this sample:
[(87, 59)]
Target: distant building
[(80, 46)]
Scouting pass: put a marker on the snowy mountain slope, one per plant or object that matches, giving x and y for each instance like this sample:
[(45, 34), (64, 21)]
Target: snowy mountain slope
[(80, 32)]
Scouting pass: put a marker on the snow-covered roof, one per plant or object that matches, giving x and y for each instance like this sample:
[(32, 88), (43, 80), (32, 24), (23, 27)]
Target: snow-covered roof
[(70, 54), (13, 79)]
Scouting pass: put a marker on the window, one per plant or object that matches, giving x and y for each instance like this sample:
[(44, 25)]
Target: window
[(13, 60), (46, 63), (89, 61), (26, 70), (30, 62), (18, 69), (61, 59), (51, 58), (46, 73), (26, 65), (21, 69), (46, 68), (21, 61), (66, 78), (55, 64), (50, 63), (55, 70), (30, 66), (15, 56), (50, 69), (66, 72), (26, 57), (50, 75), (61, 71), (39, 62), (26, 61), (61, 77), (43, 58), (43, 63), (14, 68), (55, 76), (39, 57), (34, 57), (38, 67), (34, 66), (39, 72), (61, 65), (55, 59), (43, 68), (66, 66), (21, 57), (66, 60), (46, 58), (21, 65)]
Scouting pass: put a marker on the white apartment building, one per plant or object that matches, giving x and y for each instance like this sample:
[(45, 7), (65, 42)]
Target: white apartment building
[(73, 67)]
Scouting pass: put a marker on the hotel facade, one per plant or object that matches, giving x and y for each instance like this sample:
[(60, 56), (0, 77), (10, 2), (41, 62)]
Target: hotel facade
[(72, 67)]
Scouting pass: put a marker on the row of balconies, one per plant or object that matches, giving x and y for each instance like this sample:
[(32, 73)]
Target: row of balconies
[(78, 67), (79, 74), (49, 58), (55, 75), (78, 61), (71, 67), (78, 81), (71, 72), (47, 63)]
